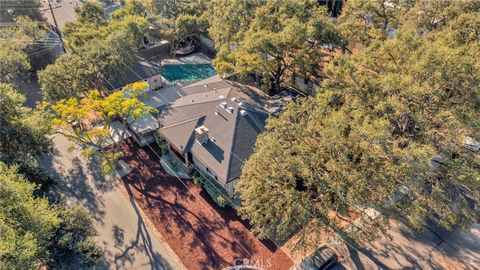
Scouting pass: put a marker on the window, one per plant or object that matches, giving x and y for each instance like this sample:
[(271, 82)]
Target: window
[(208, 170)]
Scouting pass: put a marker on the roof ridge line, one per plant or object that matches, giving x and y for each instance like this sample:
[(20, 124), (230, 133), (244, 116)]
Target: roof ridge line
[(183, 122)]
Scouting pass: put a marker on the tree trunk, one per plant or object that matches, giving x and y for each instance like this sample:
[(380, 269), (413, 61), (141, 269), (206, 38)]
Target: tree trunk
[(275, 87)]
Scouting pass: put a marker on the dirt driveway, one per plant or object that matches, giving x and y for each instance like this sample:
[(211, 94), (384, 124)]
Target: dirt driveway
[(203, 235)]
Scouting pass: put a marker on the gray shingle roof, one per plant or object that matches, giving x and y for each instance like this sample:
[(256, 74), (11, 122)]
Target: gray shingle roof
[(141, 69), (232, 135)]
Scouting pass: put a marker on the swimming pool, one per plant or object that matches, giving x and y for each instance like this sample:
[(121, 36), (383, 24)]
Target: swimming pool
[(186, 72)]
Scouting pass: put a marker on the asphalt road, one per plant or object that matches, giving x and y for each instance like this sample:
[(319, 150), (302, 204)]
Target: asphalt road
[(124, 235), (64, 11), (430, 249)]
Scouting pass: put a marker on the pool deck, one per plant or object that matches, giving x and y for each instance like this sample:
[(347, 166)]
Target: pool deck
[(193, 59)]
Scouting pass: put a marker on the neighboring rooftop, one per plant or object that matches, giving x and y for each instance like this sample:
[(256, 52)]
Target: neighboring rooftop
[(143, 124), (233, 113), (116, 133), (140, 70)]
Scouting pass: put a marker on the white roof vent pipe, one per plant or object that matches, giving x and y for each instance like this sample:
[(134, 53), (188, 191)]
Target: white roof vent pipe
[(223, 104), (229, 109), (243, 112), (234, 99)]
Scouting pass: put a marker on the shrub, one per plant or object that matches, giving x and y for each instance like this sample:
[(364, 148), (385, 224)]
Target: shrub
[(197, 180), (173, 162), (214, 190), (162, 144), (221, 201)]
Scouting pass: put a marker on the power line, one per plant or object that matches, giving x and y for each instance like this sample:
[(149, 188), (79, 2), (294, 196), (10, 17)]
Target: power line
[(57, 29), (42, 51), (242, 162), (192, 192), (199, 171), (203, 204), (233, 154), (91, 65)]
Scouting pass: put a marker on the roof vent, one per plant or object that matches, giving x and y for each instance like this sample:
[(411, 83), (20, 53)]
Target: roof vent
[(205, 85), (201, 134), (206, 95), (234, 99), (223, 104), (229, 109), (221, 97), (243, 112), (241, 105), (471, 144)]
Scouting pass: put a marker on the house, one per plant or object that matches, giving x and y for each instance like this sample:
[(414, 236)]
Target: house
[(308, 82), (141, 69), (212, 127), (144, 128), (305, 83)]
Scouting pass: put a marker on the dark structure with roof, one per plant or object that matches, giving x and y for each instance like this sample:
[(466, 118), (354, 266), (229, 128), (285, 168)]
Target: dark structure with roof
[(213, 125), (141, 69)]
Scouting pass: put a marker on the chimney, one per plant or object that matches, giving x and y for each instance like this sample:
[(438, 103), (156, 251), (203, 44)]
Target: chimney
[(201, 134)]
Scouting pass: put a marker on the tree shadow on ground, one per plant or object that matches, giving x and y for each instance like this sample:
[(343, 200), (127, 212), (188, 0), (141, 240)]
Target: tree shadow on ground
[(71, 182), (230, 215), (101, 182), (411, 249), (192, 224), (142, 242)]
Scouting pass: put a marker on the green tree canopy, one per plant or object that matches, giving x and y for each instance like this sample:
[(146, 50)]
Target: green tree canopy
[(73, 243), (26, 223), (282, 36), (35, 234), (68, 77), (229, 20), (19, 41), (95, 65), (384, 135), (12, 9), (13, 62), (99, 52), (363, 21), (179, 20), (130, 7), (88, 120), (90, 13), (23, 133), (129, 20)]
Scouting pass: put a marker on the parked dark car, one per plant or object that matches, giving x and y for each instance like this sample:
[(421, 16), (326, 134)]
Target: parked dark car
[(322, 259)]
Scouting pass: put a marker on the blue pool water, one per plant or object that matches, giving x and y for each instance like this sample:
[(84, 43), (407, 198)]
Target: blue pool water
[(187, 72)]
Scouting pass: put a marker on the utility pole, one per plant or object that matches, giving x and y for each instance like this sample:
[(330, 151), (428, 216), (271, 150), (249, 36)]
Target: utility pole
[(56, 26)]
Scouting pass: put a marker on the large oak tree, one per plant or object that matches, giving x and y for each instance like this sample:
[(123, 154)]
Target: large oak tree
[(272, 38), (385, 136)]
